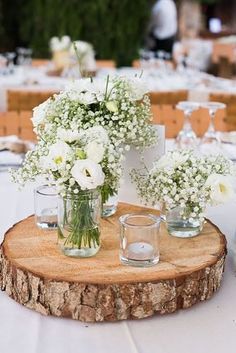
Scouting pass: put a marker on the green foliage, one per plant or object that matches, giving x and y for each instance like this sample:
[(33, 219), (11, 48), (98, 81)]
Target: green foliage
[(114, 27), (1, 22)]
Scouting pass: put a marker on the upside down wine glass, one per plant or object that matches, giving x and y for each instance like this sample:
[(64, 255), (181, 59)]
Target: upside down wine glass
[(187, 137), (210, 137)]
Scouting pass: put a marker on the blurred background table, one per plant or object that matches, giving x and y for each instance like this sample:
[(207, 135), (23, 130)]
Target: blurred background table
[(21, 91)]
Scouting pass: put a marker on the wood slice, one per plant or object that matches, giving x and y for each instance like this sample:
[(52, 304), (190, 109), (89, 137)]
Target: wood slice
[(36, 274)]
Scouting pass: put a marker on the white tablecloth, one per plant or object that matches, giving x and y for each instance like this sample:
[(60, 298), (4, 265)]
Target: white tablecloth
[(206, 327), (29, 79)]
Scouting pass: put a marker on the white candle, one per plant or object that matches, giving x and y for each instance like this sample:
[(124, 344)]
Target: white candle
[(140, 251)]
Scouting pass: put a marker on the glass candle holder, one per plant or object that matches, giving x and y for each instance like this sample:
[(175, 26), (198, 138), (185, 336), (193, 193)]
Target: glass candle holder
[(139, 239), (45, 205)]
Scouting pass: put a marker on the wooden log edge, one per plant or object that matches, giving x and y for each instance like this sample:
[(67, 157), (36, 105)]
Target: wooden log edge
[(110, 302)]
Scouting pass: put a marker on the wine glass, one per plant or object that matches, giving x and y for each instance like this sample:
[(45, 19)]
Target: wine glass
[(210, 137), (187, 137), (24, 56), (146, 58)]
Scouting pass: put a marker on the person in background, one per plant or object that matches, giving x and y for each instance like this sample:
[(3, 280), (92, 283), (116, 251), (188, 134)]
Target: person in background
[(163, 26)]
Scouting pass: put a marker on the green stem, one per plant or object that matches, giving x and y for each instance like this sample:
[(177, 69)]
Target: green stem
[(83, 231)]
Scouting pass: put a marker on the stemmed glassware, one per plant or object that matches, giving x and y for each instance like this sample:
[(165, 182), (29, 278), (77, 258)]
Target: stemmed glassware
[(187, 137), (10, 56), (210, 137), (147, 58), (24, 56)]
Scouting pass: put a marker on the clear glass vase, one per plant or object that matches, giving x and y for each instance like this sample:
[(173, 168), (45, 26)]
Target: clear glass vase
[(180, 227), (79, 223), (110, 206)]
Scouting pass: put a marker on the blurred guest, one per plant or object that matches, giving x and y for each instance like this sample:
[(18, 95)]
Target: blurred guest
[(163, 26)]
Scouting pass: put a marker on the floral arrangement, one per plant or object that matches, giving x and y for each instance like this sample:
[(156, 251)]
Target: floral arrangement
[(84, 53), (76, 58), (83, 134), (181, 178), (60, 44), (92, 120)]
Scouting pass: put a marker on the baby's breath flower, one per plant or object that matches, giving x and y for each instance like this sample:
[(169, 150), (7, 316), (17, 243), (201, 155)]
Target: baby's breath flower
[(182, 179), (95, 120)]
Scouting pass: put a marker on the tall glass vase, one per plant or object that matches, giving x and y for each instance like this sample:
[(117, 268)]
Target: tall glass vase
[(79, 223)]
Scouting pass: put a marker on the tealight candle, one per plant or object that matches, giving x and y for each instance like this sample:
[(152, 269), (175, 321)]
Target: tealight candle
[(140, 251), (139, 245)]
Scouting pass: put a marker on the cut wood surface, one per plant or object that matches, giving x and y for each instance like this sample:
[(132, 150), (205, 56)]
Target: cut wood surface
[(36, 274)]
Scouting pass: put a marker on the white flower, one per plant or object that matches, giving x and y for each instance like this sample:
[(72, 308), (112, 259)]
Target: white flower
[(88, 174), (95, 151), (179, 158), (163, 163), (66, 41), (81, 47), (183, 178), (95, 119), (97, 133), (85, 98), (68, 135), (221, 189), (39, 113), (112, 106), (84, 54), (86, 91), (57, 44), (59, 154), (171, 160), (138, 88)]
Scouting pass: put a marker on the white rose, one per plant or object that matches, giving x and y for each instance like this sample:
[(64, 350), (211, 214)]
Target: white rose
[(59, 154), (39, 113), (221, 189), (95, 151), (88, 174)]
